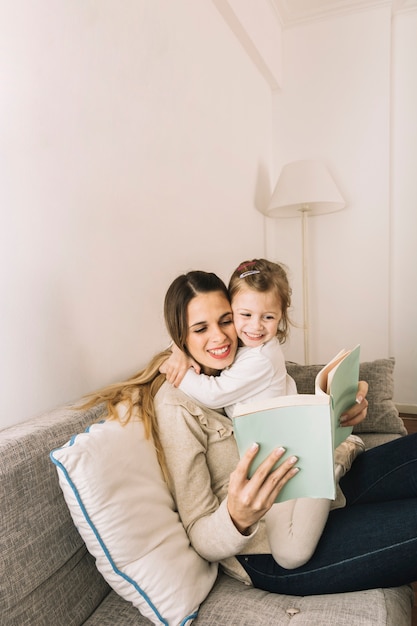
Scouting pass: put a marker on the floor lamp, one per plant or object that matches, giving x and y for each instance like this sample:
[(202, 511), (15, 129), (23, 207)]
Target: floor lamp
[(305, 188)]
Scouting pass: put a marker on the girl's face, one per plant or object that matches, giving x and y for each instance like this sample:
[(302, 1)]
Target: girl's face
[(211, 338), (256, 315)]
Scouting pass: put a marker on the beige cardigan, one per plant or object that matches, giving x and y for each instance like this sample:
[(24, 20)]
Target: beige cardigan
[(201, 453)]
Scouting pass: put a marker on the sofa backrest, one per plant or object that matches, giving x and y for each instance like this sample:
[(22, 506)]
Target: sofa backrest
[(46, 574)]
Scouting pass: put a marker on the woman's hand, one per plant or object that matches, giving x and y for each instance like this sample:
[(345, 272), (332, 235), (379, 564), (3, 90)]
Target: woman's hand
[(357, 412), (177, 365), (250, 498)]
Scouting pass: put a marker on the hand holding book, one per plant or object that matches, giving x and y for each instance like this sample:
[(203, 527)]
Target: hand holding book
[(250, 499)]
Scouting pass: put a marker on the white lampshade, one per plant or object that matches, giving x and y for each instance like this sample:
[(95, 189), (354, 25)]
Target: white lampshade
[(305, 186)]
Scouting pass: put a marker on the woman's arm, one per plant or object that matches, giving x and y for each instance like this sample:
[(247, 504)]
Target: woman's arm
[(176, 366), (185, 439), (201, 454)]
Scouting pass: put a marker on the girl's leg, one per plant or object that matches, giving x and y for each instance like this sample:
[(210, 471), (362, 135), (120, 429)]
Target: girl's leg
[(362, 547), (294, 529)]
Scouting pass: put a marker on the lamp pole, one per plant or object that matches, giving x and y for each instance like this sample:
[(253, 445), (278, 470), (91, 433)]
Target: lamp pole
[(306, 323)]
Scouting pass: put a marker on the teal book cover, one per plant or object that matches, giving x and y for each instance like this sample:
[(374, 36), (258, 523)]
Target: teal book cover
[(306, 425)]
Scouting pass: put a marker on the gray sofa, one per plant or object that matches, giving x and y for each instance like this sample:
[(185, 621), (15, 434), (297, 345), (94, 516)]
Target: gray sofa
[(47, 576)]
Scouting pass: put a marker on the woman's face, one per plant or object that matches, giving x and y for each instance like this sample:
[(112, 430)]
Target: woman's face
[(211, 338)]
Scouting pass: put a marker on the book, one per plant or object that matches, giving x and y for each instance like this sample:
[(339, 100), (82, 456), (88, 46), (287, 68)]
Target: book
[(306, 425)]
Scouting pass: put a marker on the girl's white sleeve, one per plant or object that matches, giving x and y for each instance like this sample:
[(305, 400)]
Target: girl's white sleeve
[(250, 374)]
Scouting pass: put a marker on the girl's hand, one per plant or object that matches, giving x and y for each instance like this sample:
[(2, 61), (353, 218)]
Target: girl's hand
[(176, 366), (357, 412), (250, 498)]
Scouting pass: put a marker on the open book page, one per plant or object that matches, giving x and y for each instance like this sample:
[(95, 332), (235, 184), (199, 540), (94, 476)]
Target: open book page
[(339, 379), (325, 375), (300, 399), (303, 429)]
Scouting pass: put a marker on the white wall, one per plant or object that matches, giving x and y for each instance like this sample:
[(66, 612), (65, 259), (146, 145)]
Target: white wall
[(136, 142), (338, 103), (404, 209)]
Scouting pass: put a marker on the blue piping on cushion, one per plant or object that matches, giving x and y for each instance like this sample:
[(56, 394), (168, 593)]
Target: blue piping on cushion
[(188, 618)]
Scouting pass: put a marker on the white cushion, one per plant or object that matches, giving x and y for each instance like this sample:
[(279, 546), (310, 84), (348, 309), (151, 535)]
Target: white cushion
[(118, 500)]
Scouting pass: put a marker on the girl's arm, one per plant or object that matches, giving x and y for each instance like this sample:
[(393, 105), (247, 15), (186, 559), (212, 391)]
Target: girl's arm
[(249, 375), (177, 365)]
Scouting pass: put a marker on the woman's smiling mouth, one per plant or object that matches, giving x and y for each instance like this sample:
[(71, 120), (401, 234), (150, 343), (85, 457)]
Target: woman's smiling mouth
[(219, 353)]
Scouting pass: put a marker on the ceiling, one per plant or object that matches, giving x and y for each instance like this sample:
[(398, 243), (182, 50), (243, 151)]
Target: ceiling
[(296, 11)]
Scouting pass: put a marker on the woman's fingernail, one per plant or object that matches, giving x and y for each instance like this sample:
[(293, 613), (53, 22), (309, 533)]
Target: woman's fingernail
[(293, 459), (279, 451), (359, 399), (254, 446)]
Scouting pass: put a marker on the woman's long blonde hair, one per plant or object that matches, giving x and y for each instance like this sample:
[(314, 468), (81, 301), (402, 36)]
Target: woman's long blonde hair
[(137, 393)]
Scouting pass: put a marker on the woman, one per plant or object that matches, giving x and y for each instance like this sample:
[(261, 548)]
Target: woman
[(364, 545)]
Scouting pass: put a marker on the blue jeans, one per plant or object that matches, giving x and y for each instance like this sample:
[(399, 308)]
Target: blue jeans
[(370, 543)]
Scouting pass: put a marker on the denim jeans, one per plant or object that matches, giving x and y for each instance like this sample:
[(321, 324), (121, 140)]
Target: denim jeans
[(370, 543)]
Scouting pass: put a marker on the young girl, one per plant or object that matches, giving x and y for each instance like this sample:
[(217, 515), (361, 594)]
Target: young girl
[(260, 296)]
